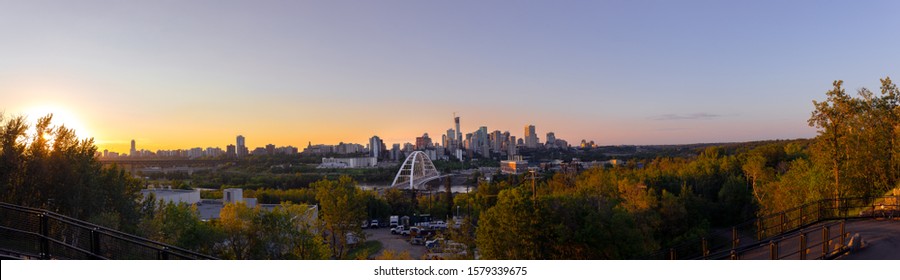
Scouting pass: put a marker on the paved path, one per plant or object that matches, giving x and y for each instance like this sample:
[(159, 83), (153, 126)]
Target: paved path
[(883, 238)]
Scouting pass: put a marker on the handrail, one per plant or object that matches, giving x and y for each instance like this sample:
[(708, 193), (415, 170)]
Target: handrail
[(764, 229), (20, 225)]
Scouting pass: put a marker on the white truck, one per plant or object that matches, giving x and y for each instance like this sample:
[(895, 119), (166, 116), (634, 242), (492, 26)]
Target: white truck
[(395, 221)]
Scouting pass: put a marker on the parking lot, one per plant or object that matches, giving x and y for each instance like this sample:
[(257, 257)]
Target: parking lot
[(397, 243)]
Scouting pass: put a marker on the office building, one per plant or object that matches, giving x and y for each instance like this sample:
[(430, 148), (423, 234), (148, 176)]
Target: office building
[(133, 150), (531, 139), (242, 150), (376, 147)]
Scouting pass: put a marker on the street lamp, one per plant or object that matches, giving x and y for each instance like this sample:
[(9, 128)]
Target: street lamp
[(457, 211)]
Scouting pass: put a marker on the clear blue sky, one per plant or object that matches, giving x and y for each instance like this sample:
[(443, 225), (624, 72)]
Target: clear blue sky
[(196, 73)]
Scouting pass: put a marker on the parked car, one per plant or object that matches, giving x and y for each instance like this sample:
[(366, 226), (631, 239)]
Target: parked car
[(351, 238), (427, 233), (439, 225), (417, 240), (434, 243), (397, 229), (374, 224), (410, 230)]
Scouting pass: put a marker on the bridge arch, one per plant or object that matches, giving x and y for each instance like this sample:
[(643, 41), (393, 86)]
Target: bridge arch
[(415, 171)]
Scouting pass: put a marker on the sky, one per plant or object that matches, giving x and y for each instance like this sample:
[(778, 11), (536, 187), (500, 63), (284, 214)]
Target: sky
[(183, 74)]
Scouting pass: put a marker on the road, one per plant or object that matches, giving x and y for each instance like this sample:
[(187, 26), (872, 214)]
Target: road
[(396, 243)]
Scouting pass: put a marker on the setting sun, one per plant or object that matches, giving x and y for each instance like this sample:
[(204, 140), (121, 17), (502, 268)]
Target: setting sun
[(61, 116)]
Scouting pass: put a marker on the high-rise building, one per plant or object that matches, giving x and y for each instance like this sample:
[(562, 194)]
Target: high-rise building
[(423, 142), (551, 140), (133, 150), (458, 132), (531, 139), (451, 141), (376, 147), (241, 146), (230, 151), (496, 140), (270, 149), (395, 151)]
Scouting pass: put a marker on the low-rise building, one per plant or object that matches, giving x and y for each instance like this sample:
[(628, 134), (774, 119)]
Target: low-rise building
[(515, 165), (360, 162), (169, 195)]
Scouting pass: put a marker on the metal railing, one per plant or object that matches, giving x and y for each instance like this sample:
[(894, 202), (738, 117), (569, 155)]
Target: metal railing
[(31, 233), (776, 227)]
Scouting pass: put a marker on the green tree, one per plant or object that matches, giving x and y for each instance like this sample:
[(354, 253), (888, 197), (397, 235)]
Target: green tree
[(342, 210), (509, 229), (236, 222), (180, 225), (303, 235), (57, 171), (831, 118)]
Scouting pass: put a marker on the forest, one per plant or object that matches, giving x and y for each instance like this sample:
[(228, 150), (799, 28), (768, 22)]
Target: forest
[(620, 212)]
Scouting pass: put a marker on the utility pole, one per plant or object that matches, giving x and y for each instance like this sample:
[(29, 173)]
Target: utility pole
[(533, 190)]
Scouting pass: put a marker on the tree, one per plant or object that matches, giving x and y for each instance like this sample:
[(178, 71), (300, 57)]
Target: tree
[(830, 118), (508, 230), (236, 221), (288, 231), (59, 172), (400, 203), (342, 210), (303, 235), (180, 225)]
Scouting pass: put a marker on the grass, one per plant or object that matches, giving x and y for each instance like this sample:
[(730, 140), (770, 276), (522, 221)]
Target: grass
[(364, 250)]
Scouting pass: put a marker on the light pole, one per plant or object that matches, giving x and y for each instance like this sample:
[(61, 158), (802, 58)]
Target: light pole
[(533, 193), (457, 211)]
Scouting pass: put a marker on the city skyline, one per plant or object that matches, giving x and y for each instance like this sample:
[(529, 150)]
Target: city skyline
[(174, 75), (240, 143)]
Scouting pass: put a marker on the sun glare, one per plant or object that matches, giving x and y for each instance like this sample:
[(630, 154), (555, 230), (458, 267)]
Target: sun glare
[(61, 116)]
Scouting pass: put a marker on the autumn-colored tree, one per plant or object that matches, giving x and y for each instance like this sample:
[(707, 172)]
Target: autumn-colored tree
[(289, 231), (393, 255), (508, 230), (831, 117), (180, 225), (236, 221), (342, 210)]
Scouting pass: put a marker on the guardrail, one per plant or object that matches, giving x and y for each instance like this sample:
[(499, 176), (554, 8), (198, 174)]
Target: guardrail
[(772, 228), (31, 233)]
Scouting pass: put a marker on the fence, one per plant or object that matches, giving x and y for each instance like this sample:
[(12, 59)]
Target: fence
[(37, 234), (771, 230)]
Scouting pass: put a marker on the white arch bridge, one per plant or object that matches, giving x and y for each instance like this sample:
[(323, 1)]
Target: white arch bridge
[(415, 171)]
